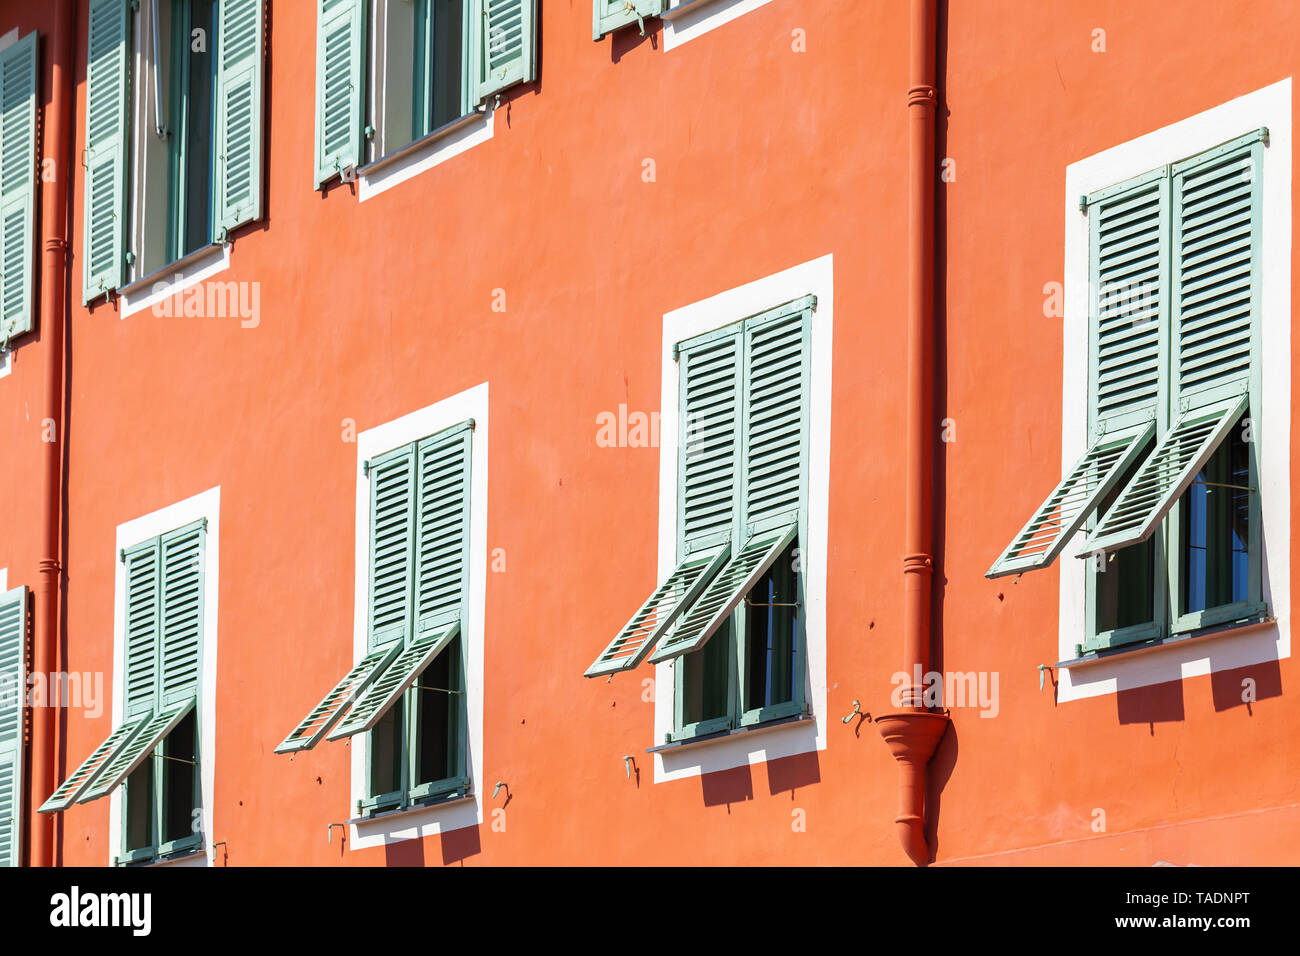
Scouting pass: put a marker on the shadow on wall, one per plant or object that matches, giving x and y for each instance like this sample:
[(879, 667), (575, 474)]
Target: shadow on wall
[(1229, 686), (725, 787), (937, 776), (457, 846)]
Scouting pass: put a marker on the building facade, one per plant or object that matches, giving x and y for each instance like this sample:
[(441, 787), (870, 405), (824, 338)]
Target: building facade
[(483, 432)]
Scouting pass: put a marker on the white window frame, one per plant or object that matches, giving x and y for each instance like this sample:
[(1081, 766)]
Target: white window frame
[(1244, 646), (205, 505), (455, 814), (761, 743)]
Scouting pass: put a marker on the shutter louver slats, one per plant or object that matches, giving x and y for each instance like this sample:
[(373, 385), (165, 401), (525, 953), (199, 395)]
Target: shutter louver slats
[(239, 114), (181, 613), (84, 776), (710, 446), (105, 148), (13, 692), (392, 505), (1164, 476), (727, 589), (654, 618), (609, 15), (143, 579), (395, 679), (17, 185), (1066, 509), (326, 714), (442, 531), (136, 750), (504, 44), (776, 369), (340, 64)]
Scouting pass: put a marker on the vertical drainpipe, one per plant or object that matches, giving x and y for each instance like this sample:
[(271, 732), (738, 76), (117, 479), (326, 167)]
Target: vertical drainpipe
[(54, 279), (914, 732)]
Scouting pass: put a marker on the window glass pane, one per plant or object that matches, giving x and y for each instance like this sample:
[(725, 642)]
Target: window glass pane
[(440, 716), (704, 678), (197, 52), (445, 74), (772, 627), (386, 750), (179, 796), (138, 793), (1216, 528), (1125, 579)]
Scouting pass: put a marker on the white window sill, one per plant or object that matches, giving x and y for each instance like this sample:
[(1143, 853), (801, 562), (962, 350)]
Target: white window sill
[(1167, 643), (688, 19), (677, 746), (154, 288), (450, 139), (409, 823)]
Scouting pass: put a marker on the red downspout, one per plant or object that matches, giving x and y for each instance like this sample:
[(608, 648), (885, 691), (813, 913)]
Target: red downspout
[(914, 733), (54, 278)]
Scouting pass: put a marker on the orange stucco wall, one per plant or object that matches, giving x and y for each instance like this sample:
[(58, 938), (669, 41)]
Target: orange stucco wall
[(765, 158)]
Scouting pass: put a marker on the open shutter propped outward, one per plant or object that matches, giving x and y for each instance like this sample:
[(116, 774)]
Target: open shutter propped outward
[(239, 114), (137, 748), (608, 15), (1066, 509), (503, 44), (1164, 476), (81, 778), (654, 618), (13, 687), (340, 81), (326, 714), (17, 185), (702, 620), (396, 678), (104, 156)]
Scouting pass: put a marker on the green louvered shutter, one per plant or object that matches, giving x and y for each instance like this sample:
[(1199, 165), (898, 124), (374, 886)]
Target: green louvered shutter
[(392, 544), (777, 369), (609, 15), (104, 157), (396, 678), (239, 114), (143, 593), (1217, 214), (502, 44), (181, 614), (709, 445), (736, 579), (322, 718), (138, 746), (1128, 269), (442, 528), (660, 611), (13, 687), (17, 185), (86, 774), (340, 85)]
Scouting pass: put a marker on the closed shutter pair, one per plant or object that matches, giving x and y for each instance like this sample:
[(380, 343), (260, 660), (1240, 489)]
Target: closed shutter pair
[(419, 547), (502, 49), (741, 465), (163, 640), (237, 159), (1174, 280)]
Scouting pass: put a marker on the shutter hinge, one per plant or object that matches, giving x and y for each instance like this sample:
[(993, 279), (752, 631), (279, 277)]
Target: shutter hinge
[(135, 4), (365, 468), (1263, 135), (121, 555), (677, 351), (205, 523), (469, 423), (1083, 205)]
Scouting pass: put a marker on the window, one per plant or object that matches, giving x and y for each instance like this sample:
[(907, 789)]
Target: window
[(17, 186), (732, 610), (13, 693), (1168, 491), (173, 132), (408, 690), (390, 72), (154, 752)]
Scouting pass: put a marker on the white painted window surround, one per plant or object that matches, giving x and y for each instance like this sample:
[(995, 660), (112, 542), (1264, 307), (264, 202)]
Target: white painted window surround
[(684, 20), (434, 151), (1268, 107), (438, 818), (815, 277), (207, 505)]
